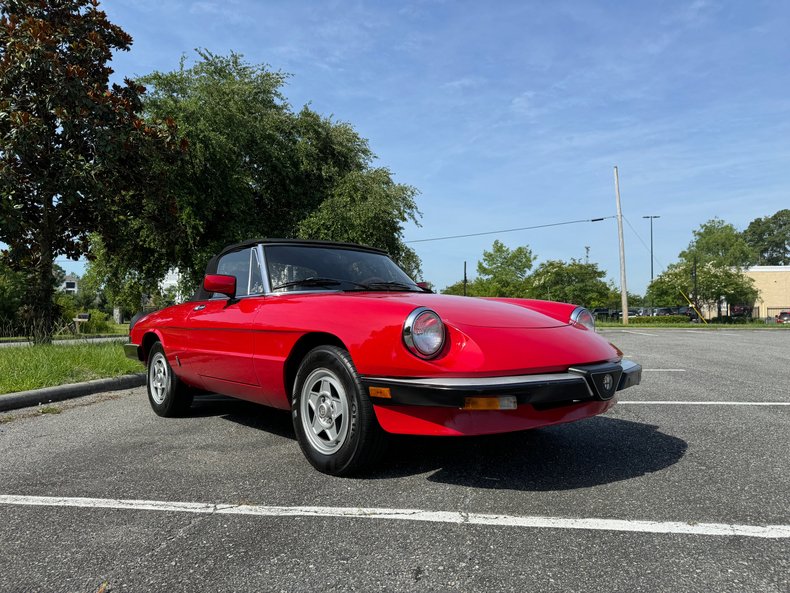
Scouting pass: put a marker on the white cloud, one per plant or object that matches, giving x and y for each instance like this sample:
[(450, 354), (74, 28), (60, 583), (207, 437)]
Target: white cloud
[(524, 104), (464, 83)]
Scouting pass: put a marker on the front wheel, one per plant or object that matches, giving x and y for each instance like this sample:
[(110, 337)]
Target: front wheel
[(166, 394), (333, 418)]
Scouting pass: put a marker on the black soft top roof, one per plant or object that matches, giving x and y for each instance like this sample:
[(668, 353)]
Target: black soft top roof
[(211, 267)]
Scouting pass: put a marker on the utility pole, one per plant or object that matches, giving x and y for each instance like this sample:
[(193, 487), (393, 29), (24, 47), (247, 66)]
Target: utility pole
[(623, 288), (464, 277)]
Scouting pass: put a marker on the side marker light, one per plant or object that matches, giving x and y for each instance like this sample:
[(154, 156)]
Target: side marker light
[(382, 392)]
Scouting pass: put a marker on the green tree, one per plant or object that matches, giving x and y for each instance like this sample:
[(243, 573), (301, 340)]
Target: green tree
[(367, 207), (107, 277), (484, 287), (12, 293), (714, 283), (252, 167), (59, 275), (71, 144), (720, 243), (571, 282), (457, 288), (503, 272), (769, 238), (717, 252)]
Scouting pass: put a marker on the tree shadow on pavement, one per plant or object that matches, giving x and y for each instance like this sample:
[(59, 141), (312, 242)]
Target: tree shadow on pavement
[(582, 454)]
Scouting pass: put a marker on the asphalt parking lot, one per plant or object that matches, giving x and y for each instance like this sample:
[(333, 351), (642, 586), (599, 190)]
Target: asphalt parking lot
[(683, 486)]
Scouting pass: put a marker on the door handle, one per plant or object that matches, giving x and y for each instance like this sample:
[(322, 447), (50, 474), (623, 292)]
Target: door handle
[(199, 308)]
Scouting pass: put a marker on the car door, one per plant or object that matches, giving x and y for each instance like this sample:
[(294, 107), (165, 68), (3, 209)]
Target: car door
[(221, 329)]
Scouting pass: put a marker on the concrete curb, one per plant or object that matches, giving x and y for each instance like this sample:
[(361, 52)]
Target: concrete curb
[(34, 397)]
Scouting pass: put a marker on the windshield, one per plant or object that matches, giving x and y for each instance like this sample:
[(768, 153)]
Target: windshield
[(304, 267)]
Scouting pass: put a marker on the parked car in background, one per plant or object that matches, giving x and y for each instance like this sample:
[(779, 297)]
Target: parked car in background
[(689, 312), (665, 311), (344, 339), (631, 313), (783, 317), (741, 310)]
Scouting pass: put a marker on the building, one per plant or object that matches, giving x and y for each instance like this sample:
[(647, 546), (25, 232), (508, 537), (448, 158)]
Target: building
[(71, 284), (773, 282)]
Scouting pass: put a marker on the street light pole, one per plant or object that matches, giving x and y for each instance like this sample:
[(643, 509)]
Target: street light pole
[(651, 258), (651, 244)]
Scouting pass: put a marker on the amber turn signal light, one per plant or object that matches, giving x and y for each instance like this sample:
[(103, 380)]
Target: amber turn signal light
[(504, 402), (383, 392)]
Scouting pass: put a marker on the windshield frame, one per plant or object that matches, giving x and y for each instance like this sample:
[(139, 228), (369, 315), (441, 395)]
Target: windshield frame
[(347, 284)]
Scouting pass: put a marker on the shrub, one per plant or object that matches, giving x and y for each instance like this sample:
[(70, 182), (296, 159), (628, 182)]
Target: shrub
[(728, 319), (98, 324), (659, 320)]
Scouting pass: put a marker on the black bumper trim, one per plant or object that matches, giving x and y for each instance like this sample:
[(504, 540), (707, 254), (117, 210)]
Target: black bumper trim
[(132, 351), (582, 383)]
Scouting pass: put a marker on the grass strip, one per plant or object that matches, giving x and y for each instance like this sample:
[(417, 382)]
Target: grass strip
[(33, 367), (115, 329)]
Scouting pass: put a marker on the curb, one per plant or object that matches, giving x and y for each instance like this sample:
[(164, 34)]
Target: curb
[(35, 397)]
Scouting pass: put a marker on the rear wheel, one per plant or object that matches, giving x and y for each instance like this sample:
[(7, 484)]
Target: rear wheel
[(333, 418), (166, 394)]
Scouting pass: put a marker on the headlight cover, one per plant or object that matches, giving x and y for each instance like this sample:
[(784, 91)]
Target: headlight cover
[(423, 333), (582, 317)]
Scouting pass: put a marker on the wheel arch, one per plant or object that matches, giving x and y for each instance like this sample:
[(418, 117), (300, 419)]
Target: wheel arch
[(300, 349), (149, 339)]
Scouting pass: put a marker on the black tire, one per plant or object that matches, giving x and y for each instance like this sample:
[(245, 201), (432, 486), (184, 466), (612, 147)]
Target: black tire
[(333, 418), (166, 394)]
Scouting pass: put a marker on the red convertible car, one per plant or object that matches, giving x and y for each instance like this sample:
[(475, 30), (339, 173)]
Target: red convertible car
[(342, 337)]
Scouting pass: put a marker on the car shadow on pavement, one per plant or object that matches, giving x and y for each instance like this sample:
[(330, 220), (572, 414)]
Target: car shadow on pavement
[(592, 452), (245, 413)]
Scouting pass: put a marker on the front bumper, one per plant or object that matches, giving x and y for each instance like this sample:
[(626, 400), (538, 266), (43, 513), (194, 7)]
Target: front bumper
[(583, 383)]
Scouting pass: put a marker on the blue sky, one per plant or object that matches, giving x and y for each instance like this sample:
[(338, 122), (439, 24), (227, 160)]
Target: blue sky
[(513, 114)]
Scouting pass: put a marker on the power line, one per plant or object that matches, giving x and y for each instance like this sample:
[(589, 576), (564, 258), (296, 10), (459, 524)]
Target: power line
[(525, 228)]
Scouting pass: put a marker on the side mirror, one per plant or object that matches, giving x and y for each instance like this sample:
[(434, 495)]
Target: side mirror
[(222, 284)]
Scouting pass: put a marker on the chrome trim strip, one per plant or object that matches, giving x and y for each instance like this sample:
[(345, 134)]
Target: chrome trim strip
[(628, 365), (264, 271), (408, 337), (475, 382), (575, 317)]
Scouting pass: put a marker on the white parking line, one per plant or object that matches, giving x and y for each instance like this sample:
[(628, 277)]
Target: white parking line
[(455, 517), (663, 370), (628, 331), (707, 403)]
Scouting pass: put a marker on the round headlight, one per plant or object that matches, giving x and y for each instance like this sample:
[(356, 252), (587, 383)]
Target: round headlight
[(423, 333), (582, 317)]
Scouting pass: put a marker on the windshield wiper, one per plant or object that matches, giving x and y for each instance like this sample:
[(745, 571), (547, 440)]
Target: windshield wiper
[(391, 285), (312, 281), (321, 281)]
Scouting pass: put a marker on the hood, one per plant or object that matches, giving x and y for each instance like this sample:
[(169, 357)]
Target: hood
[(470, 311)]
